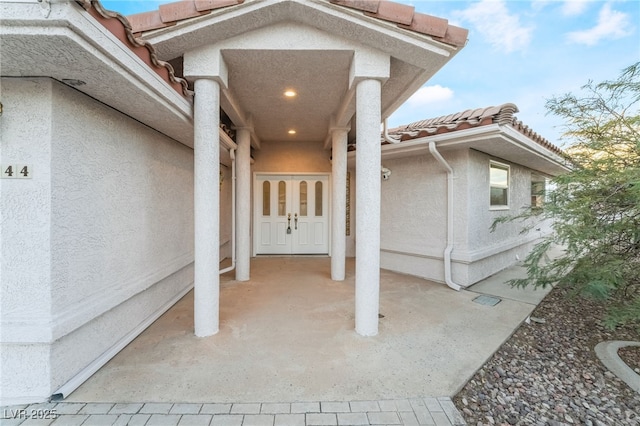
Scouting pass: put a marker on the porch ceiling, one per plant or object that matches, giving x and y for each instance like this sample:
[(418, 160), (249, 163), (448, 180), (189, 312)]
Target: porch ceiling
[(259, 78), (270, 46)]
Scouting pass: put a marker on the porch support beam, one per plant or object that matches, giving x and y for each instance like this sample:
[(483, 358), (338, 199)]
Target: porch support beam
[(243, 203), (338, 201), (368, 161), (369, 69), (206, 117)]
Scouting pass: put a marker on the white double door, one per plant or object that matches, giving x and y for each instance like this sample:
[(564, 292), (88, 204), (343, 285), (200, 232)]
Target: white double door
[(291, 214)]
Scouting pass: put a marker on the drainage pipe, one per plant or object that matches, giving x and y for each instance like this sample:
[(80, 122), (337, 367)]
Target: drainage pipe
[(449, 248), (232, 154), (385, 133)]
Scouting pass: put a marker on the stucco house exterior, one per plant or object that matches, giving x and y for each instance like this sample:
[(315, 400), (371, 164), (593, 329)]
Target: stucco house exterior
[(138, 153)]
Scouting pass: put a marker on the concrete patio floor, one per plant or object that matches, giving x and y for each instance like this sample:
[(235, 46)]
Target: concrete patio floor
[(288, 335)]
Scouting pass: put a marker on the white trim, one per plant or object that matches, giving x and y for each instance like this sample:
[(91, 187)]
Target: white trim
[(501, 166), (406, 253), (484, 253), (478, 138), (469, 257), (99, 362)]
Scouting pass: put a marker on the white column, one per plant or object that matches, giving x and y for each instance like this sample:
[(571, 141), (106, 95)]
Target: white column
[(243, 204), (368, 160), (338, 202), (206, 207)]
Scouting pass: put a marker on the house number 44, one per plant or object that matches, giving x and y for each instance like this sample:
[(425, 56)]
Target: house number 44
[(16, 171)]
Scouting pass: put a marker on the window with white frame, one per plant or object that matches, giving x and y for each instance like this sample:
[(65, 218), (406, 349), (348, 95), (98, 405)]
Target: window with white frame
[(499, 182)]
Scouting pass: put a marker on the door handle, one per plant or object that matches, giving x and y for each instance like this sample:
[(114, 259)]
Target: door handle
[(295, 221), (289, 223)]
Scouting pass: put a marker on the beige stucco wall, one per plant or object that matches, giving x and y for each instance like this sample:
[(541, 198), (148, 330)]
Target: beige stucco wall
[(490, 252), (122, 227), (99, 239), (25, 228), (414, 220), (292, 157), (413, 214)]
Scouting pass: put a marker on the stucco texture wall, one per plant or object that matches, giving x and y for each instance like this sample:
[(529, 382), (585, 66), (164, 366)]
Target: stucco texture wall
[(490, 252), (25, 261), (117, 198), (414, 217), (413, 208), (292, 157), (414, 214)]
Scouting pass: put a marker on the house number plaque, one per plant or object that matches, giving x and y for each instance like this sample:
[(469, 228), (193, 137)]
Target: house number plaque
[(16, 171)]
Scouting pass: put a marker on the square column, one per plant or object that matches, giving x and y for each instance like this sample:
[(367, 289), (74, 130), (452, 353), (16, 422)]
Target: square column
[(243, 204), (338, 202), (206, 206), (368, 163)]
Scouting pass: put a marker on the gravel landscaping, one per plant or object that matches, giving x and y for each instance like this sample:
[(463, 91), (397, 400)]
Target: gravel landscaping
[(631, 356), (547, 373)]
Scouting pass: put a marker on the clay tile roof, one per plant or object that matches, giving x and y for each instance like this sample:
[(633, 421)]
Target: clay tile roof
[(394, 12), (170, 13), (406, 17), (147, 21), (120, 27), (501, 114), (402, 15)]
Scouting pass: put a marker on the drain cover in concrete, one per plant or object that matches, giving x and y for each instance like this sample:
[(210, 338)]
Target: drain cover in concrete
[(487, 300)]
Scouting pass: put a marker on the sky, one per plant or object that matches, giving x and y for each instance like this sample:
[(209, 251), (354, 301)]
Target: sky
[(523, 52)]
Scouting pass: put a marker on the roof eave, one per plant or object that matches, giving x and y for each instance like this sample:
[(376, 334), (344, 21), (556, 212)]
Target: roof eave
[(337, 20), (120, 78), (498, 141)]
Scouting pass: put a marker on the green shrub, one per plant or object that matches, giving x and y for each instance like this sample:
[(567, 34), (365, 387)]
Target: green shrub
[(595, 208)]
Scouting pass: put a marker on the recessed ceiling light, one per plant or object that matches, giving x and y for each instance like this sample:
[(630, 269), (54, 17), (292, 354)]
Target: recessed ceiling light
[(290, 93), (292, 132)]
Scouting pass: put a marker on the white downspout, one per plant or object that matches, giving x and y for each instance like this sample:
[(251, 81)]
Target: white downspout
[(232, 154), (449, 248), (385, 133)]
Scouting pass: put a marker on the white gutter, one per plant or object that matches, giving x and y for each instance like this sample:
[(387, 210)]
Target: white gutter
[(232, 154), (449, 248)]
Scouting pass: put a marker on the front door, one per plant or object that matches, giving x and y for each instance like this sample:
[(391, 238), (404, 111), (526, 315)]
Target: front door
[(292, 214)]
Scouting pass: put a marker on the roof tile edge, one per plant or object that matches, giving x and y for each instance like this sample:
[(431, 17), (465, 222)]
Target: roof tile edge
[(421, 23), (120, 27), (402, 15), (501, 115), (169, 14)]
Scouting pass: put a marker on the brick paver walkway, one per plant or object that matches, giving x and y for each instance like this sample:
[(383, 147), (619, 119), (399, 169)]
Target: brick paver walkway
[(418, 411)]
